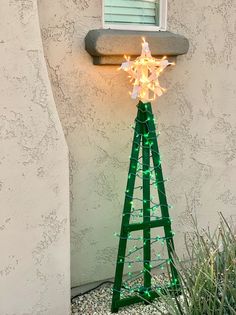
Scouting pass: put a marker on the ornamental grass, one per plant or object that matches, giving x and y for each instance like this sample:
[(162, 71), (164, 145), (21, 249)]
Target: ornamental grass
[(208, 278)]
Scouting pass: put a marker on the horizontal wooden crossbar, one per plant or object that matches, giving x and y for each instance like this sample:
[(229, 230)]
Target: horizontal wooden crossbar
[(174, 290), (152, 224)]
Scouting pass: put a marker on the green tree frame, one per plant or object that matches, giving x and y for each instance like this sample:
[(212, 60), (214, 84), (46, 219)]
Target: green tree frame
[(145, 139)]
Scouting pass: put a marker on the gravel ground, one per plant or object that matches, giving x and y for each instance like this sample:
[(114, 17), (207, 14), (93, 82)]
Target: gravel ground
[(99, 302)]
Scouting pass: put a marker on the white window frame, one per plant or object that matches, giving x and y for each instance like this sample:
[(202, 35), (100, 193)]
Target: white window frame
[(139, 27)]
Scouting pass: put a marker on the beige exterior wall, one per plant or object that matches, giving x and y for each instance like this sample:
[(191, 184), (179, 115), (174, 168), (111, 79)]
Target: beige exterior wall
[(34, 186), (196, 119)]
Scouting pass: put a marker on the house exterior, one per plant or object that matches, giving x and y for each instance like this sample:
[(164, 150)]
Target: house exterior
[(65, 142)]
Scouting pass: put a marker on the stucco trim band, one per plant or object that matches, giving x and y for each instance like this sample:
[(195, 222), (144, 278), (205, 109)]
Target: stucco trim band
[(108, 46)]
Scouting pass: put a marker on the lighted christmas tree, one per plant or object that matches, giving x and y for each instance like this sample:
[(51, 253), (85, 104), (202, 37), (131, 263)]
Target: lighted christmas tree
[(145, 207)]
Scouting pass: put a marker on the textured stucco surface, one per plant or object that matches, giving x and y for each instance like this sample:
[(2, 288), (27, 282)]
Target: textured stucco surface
[(34, 185), (196, 119)]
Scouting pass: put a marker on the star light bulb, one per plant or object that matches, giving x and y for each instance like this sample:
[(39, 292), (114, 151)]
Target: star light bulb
[(144, 72)]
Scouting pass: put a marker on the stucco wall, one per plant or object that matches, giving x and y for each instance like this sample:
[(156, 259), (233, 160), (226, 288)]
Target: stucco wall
[(196, 119), (34, 185)]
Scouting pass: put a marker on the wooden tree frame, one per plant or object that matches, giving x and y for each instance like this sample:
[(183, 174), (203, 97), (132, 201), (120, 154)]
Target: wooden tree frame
[(145, 138)]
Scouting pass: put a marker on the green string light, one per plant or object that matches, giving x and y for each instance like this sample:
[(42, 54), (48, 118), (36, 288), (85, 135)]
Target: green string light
[(138, 210)]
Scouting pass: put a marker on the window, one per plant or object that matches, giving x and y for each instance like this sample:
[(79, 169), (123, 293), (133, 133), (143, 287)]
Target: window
[(149, 15)]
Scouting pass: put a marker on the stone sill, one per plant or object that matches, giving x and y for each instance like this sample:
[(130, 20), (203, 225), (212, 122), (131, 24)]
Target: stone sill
[(108, 47)]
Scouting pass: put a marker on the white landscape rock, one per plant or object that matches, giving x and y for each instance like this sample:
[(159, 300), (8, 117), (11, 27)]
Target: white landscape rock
[(98, 302)]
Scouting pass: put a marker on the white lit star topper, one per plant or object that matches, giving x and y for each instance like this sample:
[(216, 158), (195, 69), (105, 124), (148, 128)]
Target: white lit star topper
[(144, 72)]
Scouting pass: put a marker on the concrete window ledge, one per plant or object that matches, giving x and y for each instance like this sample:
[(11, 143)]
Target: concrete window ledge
[(108, 47)]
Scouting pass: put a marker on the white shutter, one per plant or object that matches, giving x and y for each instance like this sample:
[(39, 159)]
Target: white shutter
[(130, 12)]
